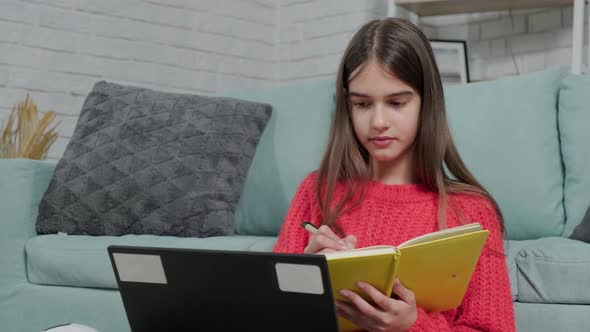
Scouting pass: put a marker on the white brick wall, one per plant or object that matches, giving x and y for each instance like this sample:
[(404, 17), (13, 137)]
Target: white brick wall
[(57, 49), (509, 42), (313, 35), (547, 20)]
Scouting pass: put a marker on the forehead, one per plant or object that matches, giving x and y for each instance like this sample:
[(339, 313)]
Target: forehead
[(373, 79)]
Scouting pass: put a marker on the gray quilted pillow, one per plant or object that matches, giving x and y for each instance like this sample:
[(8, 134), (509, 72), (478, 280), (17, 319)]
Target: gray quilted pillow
[(582, 231), (148, 162)]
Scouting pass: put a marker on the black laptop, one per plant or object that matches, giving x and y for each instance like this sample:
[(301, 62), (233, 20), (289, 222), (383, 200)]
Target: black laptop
[(214, 290)]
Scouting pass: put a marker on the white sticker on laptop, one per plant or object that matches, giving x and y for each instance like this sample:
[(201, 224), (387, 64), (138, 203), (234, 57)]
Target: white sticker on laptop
[(140, 268), (299, 278)]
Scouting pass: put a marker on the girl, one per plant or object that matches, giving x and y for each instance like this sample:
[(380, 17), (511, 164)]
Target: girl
[(382, 180)]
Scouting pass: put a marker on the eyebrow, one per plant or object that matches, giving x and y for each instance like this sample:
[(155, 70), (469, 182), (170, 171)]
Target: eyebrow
[(395, 94)]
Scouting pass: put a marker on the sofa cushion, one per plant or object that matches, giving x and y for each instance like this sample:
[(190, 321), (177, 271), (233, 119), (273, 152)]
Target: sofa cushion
[(506, 132), (148, 162), (83, 261), (290, 148), (544, 317), (511, 250), (574, 120), (554, 270)]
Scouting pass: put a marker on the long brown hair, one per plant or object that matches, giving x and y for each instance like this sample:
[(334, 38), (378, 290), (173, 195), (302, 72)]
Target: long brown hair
[(405, 52)]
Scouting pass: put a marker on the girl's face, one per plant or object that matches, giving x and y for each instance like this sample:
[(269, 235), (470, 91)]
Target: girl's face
[(384, 112)]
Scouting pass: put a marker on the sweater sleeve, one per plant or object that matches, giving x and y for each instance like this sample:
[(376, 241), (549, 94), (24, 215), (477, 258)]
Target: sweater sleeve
[(292, 237), (487, 305)]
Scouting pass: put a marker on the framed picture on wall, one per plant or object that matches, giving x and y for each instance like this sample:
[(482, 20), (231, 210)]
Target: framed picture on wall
[(451, 59)]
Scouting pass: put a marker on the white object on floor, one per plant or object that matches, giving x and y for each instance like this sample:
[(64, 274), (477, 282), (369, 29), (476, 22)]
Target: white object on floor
[(71, 328)]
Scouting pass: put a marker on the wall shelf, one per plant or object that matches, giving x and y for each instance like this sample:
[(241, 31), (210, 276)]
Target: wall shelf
[(446, 7), (413, 9)]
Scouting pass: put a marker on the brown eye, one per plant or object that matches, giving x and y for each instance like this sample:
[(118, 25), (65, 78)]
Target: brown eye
[(360, 104)]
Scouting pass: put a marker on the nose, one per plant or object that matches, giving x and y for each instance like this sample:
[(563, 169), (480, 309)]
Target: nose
[(379, 120)]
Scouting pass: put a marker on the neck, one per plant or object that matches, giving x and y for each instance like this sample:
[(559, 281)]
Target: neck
[(394, 172)]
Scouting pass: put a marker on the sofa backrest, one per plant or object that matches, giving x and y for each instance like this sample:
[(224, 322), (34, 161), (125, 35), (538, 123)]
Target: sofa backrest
[(290, 148), (506, 131), (574, 132), (22, 184)]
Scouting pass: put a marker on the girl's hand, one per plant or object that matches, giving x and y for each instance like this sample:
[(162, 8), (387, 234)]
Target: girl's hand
[(324, 240), (387, 314)]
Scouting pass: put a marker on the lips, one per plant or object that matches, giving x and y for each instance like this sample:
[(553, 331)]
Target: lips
[(381, 141)]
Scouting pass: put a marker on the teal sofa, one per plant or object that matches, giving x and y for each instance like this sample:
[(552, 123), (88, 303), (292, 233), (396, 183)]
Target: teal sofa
[(524, 137)]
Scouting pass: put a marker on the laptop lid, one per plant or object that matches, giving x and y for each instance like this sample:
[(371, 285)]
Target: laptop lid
[(167, 289)]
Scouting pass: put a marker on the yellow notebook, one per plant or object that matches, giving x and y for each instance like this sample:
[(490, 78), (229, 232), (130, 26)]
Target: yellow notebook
[(436, 266)]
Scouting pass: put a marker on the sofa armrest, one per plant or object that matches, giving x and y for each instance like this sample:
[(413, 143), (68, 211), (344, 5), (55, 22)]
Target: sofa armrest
[(22, 185)]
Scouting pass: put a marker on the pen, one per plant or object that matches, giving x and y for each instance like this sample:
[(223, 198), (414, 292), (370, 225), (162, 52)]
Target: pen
[(312, 229), (309, 227)]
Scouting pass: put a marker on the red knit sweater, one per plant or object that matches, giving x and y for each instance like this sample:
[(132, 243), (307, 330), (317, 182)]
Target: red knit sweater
[(392, 214)]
